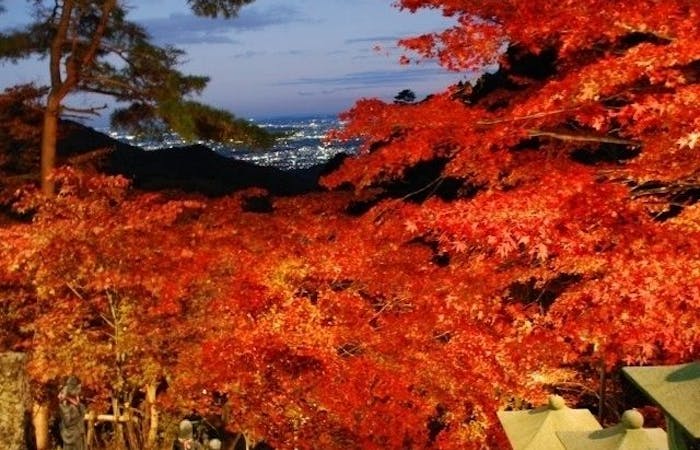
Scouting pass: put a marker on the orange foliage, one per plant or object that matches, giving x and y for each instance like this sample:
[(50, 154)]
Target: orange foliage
[(565, 183), (502, 241)]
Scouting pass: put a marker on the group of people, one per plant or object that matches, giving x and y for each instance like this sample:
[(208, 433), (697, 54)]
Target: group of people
[(186, 441), (72, 423)]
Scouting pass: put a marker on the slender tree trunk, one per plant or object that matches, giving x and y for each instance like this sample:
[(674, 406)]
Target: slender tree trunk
[(40, 421), (133, 437), (91, 429), (118, 429), (152, 415), (49, 137), (601, 400)]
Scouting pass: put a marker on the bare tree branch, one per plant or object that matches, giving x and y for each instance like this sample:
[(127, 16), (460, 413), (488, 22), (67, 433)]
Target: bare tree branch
[(526, 117), (582, 138)]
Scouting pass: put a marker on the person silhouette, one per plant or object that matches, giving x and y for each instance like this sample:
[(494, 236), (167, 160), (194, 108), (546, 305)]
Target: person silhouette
[(185, 437), (72, 415)]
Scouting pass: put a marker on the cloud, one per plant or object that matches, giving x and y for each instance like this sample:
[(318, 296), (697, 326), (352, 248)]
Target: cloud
[(370, 78), (372, 40), (292, 52), (379, 83), (249, 54), (361, 57), (189, 29)]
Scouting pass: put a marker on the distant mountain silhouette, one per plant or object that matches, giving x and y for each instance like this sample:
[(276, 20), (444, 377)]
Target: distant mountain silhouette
[(194, 168)]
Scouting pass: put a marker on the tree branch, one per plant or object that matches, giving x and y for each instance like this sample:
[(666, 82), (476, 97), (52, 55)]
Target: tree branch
[(115, 94), (73, 76), (89, 56), (631, 29), (94, 111), (105, 80), (529, 116), (582, 138), (670, 189)]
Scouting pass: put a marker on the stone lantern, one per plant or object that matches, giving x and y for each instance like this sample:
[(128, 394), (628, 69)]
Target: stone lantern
[(535, 429)]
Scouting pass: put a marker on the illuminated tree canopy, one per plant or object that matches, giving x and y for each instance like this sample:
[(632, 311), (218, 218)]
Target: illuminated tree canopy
[(489, 245)]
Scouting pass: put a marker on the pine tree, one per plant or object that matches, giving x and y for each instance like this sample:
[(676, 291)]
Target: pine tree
[(91, 46)]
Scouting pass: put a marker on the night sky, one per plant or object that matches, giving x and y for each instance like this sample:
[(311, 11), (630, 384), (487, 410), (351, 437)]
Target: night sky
[(280, 57)]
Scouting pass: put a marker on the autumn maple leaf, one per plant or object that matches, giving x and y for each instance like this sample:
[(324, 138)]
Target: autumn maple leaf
[(689, 140)]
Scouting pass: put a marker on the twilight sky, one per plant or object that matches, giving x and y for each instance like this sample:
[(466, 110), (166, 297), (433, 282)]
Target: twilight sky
[(280, 57)]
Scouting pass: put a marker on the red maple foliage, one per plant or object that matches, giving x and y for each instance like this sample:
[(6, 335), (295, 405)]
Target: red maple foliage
[(566, 182), (501, 240)]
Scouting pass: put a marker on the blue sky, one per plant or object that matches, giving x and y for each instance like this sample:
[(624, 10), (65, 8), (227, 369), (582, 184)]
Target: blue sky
[(281, 57)]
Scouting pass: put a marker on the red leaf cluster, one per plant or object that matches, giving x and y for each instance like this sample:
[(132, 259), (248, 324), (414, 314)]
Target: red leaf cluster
[(501, 240)]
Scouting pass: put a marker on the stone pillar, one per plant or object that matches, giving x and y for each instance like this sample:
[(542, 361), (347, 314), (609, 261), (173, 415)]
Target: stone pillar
[(14, 397)]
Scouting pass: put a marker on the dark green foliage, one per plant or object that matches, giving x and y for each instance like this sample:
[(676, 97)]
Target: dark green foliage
[(18, 44), (216, 8), (119, 60), (405, 96), (191, 120), (217, 125)]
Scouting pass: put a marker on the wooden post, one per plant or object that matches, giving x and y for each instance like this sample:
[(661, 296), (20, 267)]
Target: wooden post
[(91, 416), (40, 421), (601, 396), (118, 430), (109, 418)]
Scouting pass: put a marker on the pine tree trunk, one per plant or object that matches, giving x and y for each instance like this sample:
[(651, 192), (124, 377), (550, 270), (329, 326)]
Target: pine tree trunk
[(40, 421), (49, 137)]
